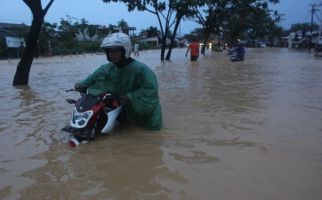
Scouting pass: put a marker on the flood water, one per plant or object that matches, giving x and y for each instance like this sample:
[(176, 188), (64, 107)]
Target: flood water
[(232, 131)]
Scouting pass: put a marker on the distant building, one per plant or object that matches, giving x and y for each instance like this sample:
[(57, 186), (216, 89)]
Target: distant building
[(300, 40), (12, 30), (130, 31), (100, 30), (85, 36), (11, 38), (153, 41)]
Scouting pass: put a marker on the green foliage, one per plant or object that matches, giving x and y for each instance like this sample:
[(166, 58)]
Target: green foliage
[(303, 27), (228, 19), (123, 24), (69, 36), (88, 46), (61, 38), (169, 14), (67, 32), (232, 20), (150, 32)]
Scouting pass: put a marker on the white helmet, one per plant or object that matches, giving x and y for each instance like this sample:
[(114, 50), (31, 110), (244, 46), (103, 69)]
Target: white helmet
[(118, 40)]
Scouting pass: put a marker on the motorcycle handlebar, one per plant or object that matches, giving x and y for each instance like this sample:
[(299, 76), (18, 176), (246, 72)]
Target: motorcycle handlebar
[(70, 90), (102, 97), (80, 90)]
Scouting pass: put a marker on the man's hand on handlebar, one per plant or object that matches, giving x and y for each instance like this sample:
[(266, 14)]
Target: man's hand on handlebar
[(79, 87)]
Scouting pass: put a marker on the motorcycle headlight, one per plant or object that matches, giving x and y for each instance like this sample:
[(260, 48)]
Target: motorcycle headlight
[(80, 119)]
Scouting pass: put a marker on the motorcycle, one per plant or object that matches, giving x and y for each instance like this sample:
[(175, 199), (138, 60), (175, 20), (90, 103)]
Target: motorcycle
[(92, 115), (234, 57), (237, 54)]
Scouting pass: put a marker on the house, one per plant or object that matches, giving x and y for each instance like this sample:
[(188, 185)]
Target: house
[(84, 35), (153, 41), (12, 30), (299, 40)]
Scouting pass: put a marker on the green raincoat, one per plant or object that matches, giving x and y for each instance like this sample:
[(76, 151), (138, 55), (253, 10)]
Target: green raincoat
[(138, 83)]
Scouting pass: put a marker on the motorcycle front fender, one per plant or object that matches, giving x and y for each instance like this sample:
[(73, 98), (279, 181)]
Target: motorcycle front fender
[(111, 117)]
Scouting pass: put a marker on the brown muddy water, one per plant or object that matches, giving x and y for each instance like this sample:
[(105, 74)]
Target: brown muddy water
[(232, 131)]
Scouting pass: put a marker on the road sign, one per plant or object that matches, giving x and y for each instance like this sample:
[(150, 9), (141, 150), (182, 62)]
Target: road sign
[(14, 42)]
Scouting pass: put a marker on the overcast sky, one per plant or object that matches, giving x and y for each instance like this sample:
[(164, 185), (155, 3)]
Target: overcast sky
[(97, 12), (297, 11)]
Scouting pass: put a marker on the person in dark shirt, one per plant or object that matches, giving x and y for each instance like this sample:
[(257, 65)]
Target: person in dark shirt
[(238, 53)]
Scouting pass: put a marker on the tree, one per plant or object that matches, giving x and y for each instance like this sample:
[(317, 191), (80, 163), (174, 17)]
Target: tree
[(183, 9), (46, 36), (248, 19), (123, 25), (151, 32), (305, 27), (265, 26), (23, 69), (82, 28), (233, 19), (210, 14), (67, 32), (162, 9)]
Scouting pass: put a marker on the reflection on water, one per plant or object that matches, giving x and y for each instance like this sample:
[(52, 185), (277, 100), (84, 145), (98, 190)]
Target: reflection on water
[(245, 130)]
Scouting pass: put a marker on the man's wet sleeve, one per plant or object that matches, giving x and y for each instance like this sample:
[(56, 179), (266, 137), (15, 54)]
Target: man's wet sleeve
[(144, 99)]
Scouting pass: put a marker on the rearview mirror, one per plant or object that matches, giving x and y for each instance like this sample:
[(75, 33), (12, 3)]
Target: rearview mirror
[(71, 101)]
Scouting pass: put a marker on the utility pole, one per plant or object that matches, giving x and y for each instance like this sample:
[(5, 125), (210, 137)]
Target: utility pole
[(320, 20), (320, 31), (281, 18), (313, 10)]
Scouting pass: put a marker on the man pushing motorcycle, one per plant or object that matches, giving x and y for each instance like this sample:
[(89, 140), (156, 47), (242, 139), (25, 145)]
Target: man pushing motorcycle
[(129, 78)]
